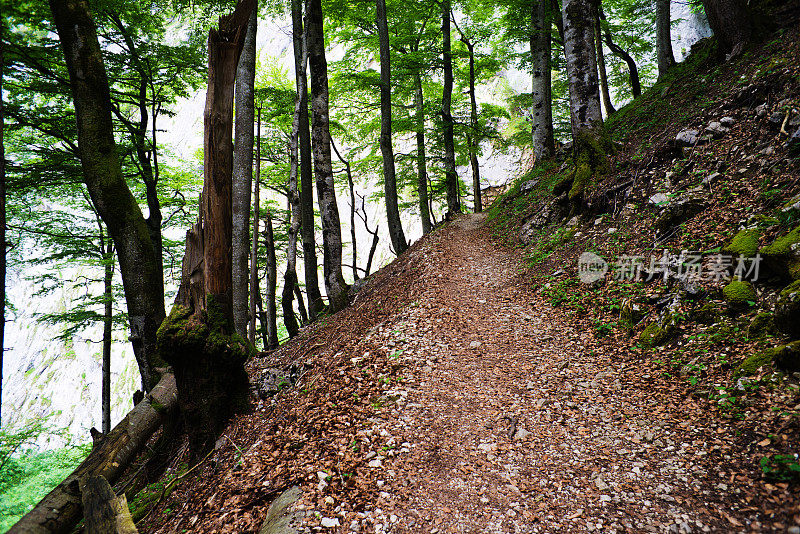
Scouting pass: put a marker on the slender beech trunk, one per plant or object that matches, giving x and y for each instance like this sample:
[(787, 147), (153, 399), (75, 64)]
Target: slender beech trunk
[(633, 70), (601, 67), (451, 178), (290, 278), (243, 174), (589, 140), (422, 164), (308, 230), (321, 143), (664, 55), (541, 71), (2, 224), (472, 139), (251, 335), (301, 308), (396, 234), (102, 173), (262, 318), (272, 283), (108, 318), (731, 22), (352, 188)]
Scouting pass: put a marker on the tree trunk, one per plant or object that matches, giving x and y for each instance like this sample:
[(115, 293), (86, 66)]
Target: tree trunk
[(351, 187), (301, 308), (422, 170), (541, 70), (731, 23), (308, 230), (290, 278), (2, 224), (666, 58), (104, 512), (589, 140), (633, 70), (243, 174), (102, 173), (472, 139), (60, 510), (196, 337), (254, 244), (272, 282), (321, 143), (396, 234), (451, 178), (108, 318), (601, 67)]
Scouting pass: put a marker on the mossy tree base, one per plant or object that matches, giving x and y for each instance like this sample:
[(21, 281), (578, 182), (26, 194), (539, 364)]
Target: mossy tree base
[(209, 371), (590, 155)]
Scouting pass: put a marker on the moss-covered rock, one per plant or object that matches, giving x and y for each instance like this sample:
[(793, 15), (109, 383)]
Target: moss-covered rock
[(707, 314), (739, 295), (761, 326), (787, 311), (785, 357), (657, 334), (745, 243), (631, 314), (751, 365), (782, 256)]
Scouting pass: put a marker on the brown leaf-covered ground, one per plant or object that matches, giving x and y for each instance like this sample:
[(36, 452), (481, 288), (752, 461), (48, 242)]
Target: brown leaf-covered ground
[(452, 398)]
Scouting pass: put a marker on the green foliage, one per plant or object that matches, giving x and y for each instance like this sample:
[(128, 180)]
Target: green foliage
[(27, 475), (781, 467)]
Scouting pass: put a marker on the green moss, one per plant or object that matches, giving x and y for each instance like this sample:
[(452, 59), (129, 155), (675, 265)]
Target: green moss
[(631, 314), (590, 150), (782, 257), (707, 314), (745, 243), (787, 310), (752, 364), (181, 330), (655, 335), (761, 326), (739, 295)]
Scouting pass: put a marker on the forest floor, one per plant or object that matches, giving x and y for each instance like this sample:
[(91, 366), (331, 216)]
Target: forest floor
[(452, 398)]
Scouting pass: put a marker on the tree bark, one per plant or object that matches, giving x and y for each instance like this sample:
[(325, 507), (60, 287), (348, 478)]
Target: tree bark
[(451, 178), (254, 244), (102, 173), (601, 67), (422, 162), (272, 282), (60, 510), (664, 55), (396, 234), (2, 223), (104, 512), (290, 277), (321, 143), (541, 70), (308, 230), (108, 317), (243, 174), (589, 140), (731, 23), (196, 337), (472, 139)]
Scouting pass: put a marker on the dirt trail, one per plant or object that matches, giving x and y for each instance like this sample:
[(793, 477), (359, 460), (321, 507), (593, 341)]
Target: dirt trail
[(450, 398), (511, 422)]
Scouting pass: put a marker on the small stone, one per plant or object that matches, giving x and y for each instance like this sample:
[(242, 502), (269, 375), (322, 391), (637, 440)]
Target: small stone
[(329, 500), (369, 456), (659, 199), (375, 463), (521, 434), (687, 138), (727, 121), (793, 530), (612, 231), (355, 526), (475, 344), (329, 522)]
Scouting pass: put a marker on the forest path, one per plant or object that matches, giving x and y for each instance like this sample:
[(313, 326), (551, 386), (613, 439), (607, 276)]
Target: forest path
[(512, 422)]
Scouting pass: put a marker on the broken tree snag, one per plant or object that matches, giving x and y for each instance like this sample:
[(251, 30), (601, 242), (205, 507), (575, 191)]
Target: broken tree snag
[(197, 338), (104, 512), (61, 509), (224, 48)]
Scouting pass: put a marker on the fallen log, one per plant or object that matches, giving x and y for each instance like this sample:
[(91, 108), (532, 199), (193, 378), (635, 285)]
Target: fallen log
[(61, 509), (104, 512)]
